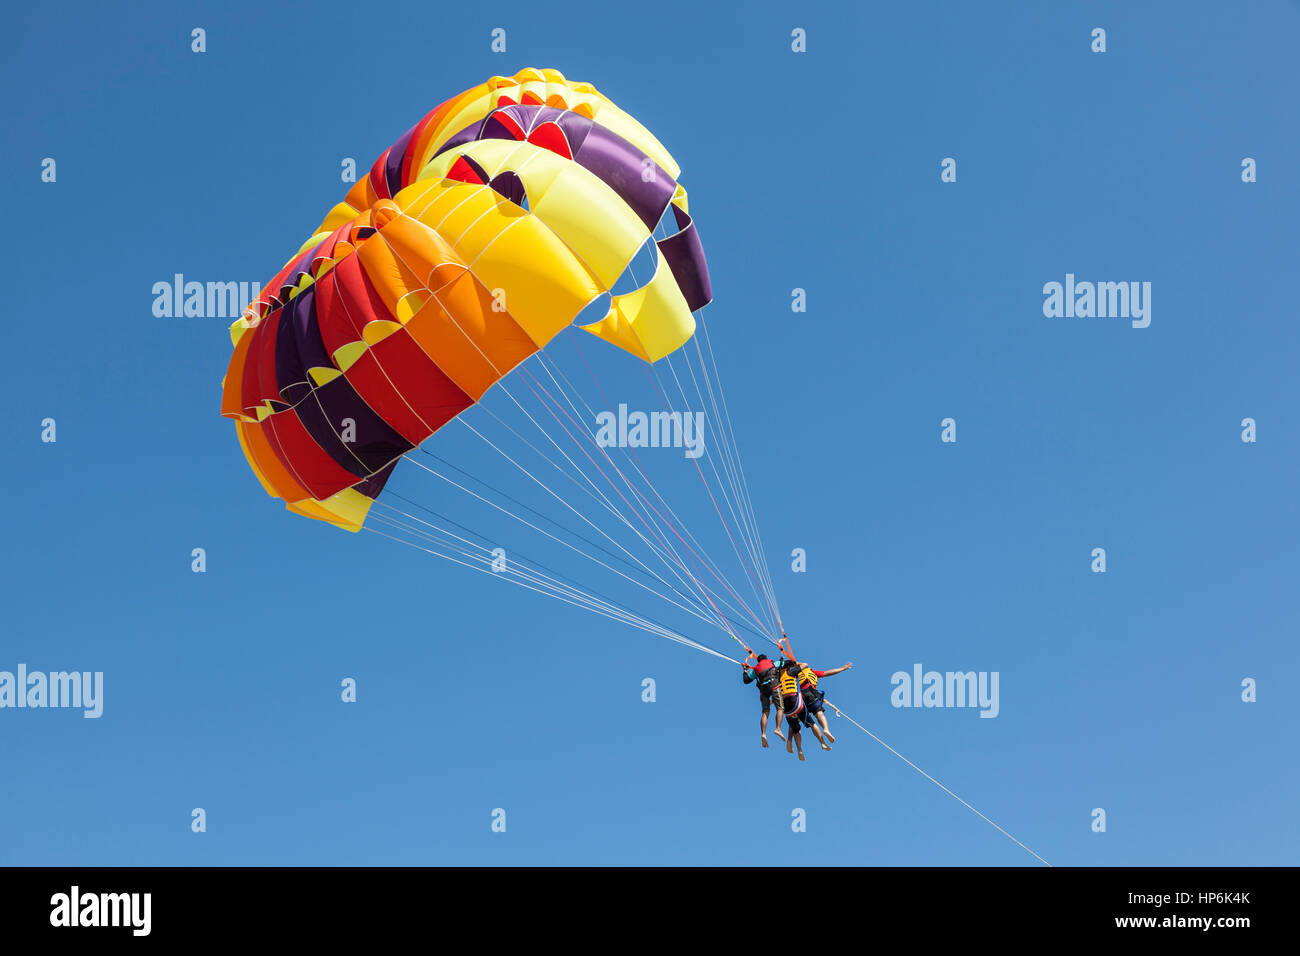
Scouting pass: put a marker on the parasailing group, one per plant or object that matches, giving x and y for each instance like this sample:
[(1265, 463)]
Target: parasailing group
[(792, 686)]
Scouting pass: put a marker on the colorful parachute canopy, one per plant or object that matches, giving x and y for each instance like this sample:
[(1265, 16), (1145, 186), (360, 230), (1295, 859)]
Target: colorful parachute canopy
[(476, 238)]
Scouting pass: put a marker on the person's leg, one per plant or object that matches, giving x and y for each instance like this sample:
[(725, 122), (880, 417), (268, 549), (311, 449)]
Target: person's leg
[(794, 735), (826, 728), (814, 701), (762, 726), (812, 725)]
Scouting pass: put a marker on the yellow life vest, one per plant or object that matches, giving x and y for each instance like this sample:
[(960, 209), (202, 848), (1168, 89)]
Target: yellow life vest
[(806, 676), (789, 685)]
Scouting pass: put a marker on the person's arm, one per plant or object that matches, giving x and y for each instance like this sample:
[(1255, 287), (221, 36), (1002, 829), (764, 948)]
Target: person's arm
[(830, 673), (747, 674)]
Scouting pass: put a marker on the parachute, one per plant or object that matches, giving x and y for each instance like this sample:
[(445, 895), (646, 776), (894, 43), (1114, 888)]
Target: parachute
[(477, 237), (509, 214)]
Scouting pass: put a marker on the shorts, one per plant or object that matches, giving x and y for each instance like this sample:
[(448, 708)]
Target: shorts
[(793, 720), (813, 700), (765, 698)]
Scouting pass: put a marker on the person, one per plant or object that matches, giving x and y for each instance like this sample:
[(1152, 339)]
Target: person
[(815, 700), (796, 712), (766, 675)]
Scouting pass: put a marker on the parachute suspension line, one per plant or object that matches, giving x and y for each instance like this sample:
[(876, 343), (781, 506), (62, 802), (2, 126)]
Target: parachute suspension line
[(731, 461), (742, 520), (517, 559), (441, 517), (634, 460), (649, 522), (631, 267), (609, 506), (740, 527), (726, 527), (704, 590), (722, 619), (673, 521), (593, 492), (840, 713), (540, 515), (587, 435), (524, 377), (695, 609), (616, 613), (602, 498), (548, 583), (562, 501), (509, 513), (729, 444), (726, 417), (748, 521)]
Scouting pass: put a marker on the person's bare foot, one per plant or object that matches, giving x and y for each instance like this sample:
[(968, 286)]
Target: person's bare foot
[(829, 736), (781, 735), (789, 746), (801, 755), (764, 739), (825, 746)]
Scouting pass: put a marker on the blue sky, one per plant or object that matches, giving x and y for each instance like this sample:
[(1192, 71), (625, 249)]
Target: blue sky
[(819, 171)]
